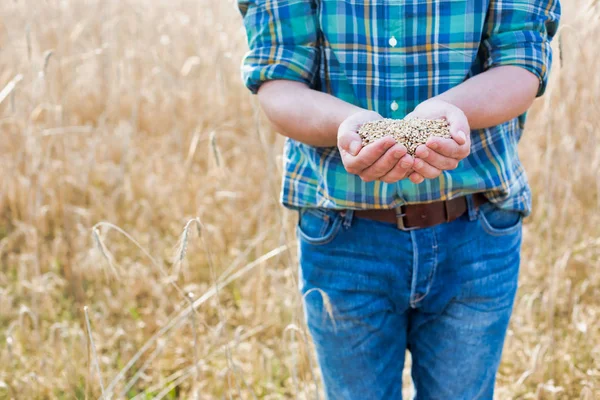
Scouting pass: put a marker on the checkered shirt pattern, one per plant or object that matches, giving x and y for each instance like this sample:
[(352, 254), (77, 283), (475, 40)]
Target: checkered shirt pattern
[(389, 56)]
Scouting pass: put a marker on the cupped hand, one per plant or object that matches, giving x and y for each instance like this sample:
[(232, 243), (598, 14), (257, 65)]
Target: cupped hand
[(440, 154), (383, 160)]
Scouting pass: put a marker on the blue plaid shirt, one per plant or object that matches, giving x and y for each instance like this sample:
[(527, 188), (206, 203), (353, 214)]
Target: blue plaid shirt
[(389, 56)]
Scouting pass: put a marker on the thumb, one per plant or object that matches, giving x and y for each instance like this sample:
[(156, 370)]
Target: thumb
[(410, 115), (350, 142), (458, 124), (459, 137)]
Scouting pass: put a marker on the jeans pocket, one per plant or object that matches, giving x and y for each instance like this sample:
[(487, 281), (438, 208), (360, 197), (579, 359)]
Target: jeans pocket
[(498, 222), (318, 226)]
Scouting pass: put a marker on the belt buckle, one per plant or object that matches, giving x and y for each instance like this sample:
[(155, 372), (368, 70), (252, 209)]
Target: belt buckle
[(400, 220)]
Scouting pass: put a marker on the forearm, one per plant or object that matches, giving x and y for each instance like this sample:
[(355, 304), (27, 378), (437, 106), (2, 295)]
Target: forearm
[(303, 114), (495, 96)]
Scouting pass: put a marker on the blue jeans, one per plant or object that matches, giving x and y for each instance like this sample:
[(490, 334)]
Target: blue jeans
[(445, 293)]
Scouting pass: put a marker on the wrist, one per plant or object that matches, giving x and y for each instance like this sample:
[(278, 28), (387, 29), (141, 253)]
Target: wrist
[(356, 117), (437, 100), (349, 112)]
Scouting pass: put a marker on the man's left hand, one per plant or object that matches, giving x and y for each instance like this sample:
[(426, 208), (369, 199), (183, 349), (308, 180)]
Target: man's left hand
[(440, 154)]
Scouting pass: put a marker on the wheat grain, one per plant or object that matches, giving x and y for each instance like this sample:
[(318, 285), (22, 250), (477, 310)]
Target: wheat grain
[(409, 132), (109, 70)]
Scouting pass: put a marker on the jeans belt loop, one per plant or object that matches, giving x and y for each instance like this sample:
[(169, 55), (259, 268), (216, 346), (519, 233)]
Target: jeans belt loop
[(347, 216), (471, 209)]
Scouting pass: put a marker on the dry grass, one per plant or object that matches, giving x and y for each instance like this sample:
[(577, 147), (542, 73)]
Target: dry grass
[(134, 115)]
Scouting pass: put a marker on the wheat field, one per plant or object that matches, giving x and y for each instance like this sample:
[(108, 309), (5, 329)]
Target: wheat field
[(139, 181)]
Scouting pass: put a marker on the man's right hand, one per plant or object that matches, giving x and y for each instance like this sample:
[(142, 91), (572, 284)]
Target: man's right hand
[(383, 160)]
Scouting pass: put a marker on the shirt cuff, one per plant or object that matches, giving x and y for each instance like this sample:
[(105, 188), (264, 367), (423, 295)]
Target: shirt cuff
[(526, 49), (295, 63)]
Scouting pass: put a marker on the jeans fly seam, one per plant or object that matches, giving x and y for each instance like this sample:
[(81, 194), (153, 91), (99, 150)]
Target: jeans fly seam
[(415, 269), (431, 276)]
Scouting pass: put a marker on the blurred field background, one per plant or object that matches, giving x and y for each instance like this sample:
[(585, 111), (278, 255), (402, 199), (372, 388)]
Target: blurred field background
[(131, 115)]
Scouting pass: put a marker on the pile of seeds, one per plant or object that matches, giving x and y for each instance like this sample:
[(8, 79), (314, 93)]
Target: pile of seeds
[(409, 132)]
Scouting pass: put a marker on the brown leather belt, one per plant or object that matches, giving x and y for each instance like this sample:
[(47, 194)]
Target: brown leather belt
[(424, 215)]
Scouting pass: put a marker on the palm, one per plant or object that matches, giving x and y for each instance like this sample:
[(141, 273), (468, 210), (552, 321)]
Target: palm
[(441, 154)]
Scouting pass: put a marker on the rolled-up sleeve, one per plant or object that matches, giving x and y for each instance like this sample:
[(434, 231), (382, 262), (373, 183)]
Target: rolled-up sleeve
[(518, 32), (282, 37)]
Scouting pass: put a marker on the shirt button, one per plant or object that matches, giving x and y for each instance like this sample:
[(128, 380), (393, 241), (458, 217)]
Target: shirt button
[(394, 106), (393, 42)]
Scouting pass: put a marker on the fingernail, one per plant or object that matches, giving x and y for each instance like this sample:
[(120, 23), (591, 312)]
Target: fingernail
[(432, 145), (398, 154), (405, 164), (425, 153), (462, 135), (418, 163), (354, 147)]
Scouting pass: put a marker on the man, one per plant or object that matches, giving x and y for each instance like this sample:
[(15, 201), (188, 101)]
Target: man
[(417, 253)]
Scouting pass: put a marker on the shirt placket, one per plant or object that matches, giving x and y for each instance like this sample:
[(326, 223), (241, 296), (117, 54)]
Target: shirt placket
[(395, 45), (396, 48)]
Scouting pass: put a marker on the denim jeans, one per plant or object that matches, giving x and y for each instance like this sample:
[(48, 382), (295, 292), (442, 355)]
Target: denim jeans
[(445, 293)]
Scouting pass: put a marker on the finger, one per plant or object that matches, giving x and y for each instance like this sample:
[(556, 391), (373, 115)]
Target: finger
[(367, 155), (459, 125), (417, 178), (350, 142), (435, 159), (401, 170), (384, 164), (449, 147), (459, 137), (457, 120), (425, 169)]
